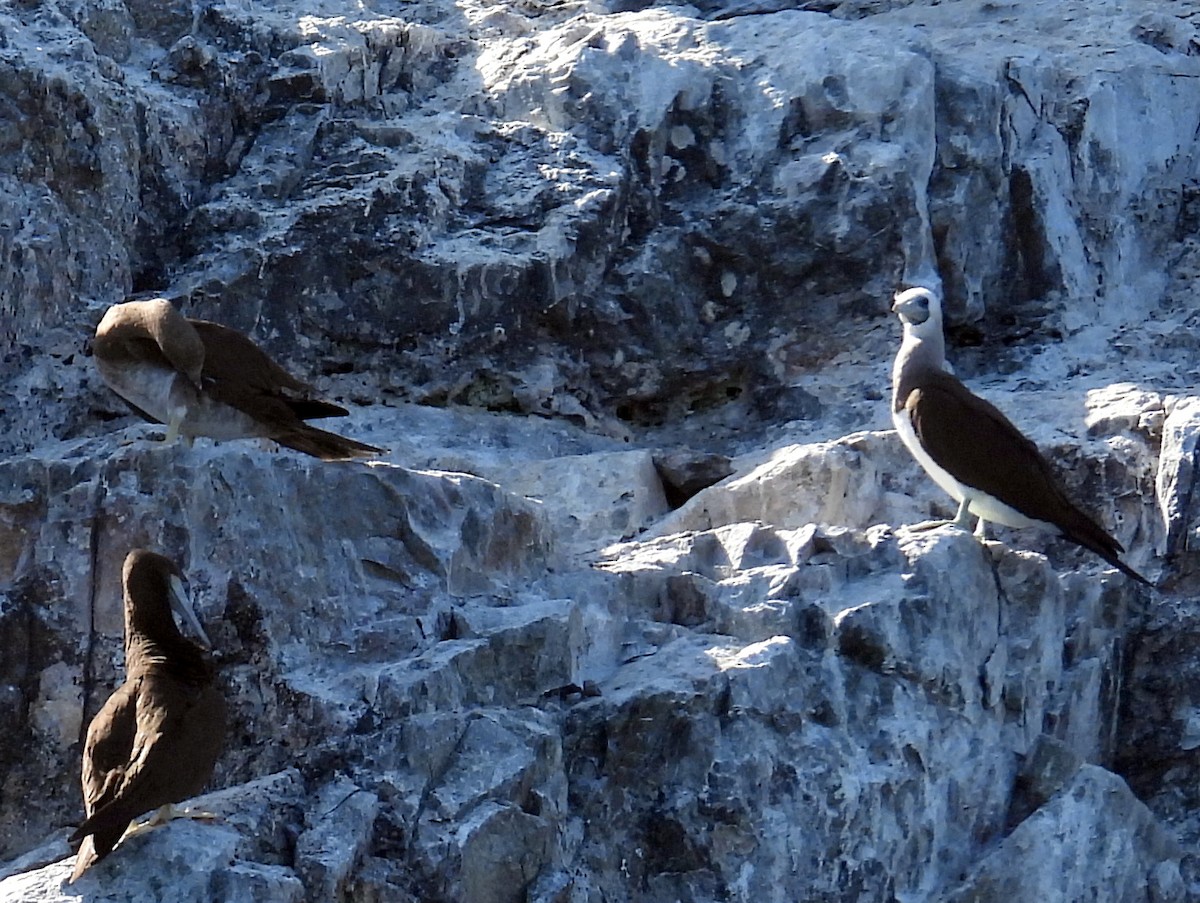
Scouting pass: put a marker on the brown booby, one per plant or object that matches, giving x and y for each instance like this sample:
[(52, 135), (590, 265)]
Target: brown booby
[(205, 379), (971, 449), (156, 740)]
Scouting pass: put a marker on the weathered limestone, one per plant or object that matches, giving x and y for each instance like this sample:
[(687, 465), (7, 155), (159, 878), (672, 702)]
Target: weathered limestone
[(629, 611), (1095, 810)]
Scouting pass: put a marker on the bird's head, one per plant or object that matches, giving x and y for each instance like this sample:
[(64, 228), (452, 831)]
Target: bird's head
[(149, 577), (177, 338), (918, 309)]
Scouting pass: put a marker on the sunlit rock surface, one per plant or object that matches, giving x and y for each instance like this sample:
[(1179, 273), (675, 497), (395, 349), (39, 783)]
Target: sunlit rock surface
[(628, 611)]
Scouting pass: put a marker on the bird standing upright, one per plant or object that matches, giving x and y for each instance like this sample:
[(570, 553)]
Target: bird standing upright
[(156, 740), (971, 449)]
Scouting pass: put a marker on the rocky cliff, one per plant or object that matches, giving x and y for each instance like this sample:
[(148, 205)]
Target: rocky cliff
[(628, 612)]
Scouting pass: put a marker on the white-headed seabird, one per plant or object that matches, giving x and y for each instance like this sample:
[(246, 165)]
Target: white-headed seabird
[(156, 740), (971, 449), (205, 379)]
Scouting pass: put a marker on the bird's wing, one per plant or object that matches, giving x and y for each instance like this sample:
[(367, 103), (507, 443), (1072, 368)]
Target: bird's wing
[(980, 447), (972, 440), (230, 355), (240, 374), (150, 772), (164, 711), (106, 752)]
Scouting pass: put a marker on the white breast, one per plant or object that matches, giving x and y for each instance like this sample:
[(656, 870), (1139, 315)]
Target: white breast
[(148, 386), (981, 504), (164, 394)]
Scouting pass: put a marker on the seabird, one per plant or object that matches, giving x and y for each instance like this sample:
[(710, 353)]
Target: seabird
[(156, 740), (971, 449), (205, 379)]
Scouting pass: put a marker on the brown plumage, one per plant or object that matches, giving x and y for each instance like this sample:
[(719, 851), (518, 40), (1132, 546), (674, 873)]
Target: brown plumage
[(971, 449), (205, 379), (156, 740)]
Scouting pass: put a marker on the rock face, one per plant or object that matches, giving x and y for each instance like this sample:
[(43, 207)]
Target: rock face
[(628, 611)]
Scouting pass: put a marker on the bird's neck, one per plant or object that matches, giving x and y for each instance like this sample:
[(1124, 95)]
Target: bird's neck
[(920, 352), (183, 657)]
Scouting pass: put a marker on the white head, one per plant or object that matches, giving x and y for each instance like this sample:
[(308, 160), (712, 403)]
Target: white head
[(920, 311)]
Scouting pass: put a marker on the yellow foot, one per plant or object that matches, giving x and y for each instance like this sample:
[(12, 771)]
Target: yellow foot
[(173, 432), (167, 813), (929, 525)]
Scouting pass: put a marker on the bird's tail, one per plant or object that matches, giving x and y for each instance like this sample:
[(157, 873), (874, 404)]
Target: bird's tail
[(1125, 569), (1086, 532), (84, 859), (96, 837), (325, 445)]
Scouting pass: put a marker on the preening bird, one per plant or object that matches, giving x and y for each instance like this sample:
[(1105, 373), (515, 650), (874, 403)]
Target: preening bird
[(205, 379)]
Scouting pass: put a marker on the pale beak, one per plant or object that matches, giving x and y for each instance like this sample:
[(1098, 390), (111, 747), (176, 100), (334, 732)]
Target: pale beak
[(183, 606)]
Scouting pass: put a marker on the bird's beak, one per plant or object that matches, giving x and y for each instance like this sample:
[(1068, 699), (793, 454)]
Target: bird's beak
[(911, 309), (183, 605)]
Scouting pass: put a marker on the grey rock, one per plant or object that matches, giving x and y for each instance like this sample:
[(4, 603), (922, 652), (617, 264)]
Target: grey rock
[(191, 861), (337, 837), (591, 499), (1176, 480), (1049, 766), (1094, 811), (685, 472), (530, 245)]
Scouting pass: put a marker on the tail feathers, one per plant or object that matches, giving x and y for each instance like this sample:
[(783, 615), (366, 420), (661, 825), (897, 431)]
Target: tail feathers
[(1121, 566), (1087, 533), (84, 859), (325, 445), (314, 408), (97, 836)]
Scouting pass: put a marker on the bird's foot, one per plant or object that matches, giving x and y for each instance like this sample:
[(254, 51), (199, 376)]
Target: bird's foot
[(168, 813), (929, 525), (174, 430), (198, 815), (962, 520)]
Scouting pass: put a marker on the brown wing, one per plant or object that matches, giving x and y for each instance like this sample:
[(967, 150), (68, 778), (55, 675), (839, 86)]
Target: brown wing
[(106, 751), (972, 440), (178, 735), (325, 445), (240, 374), (979, 446)]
